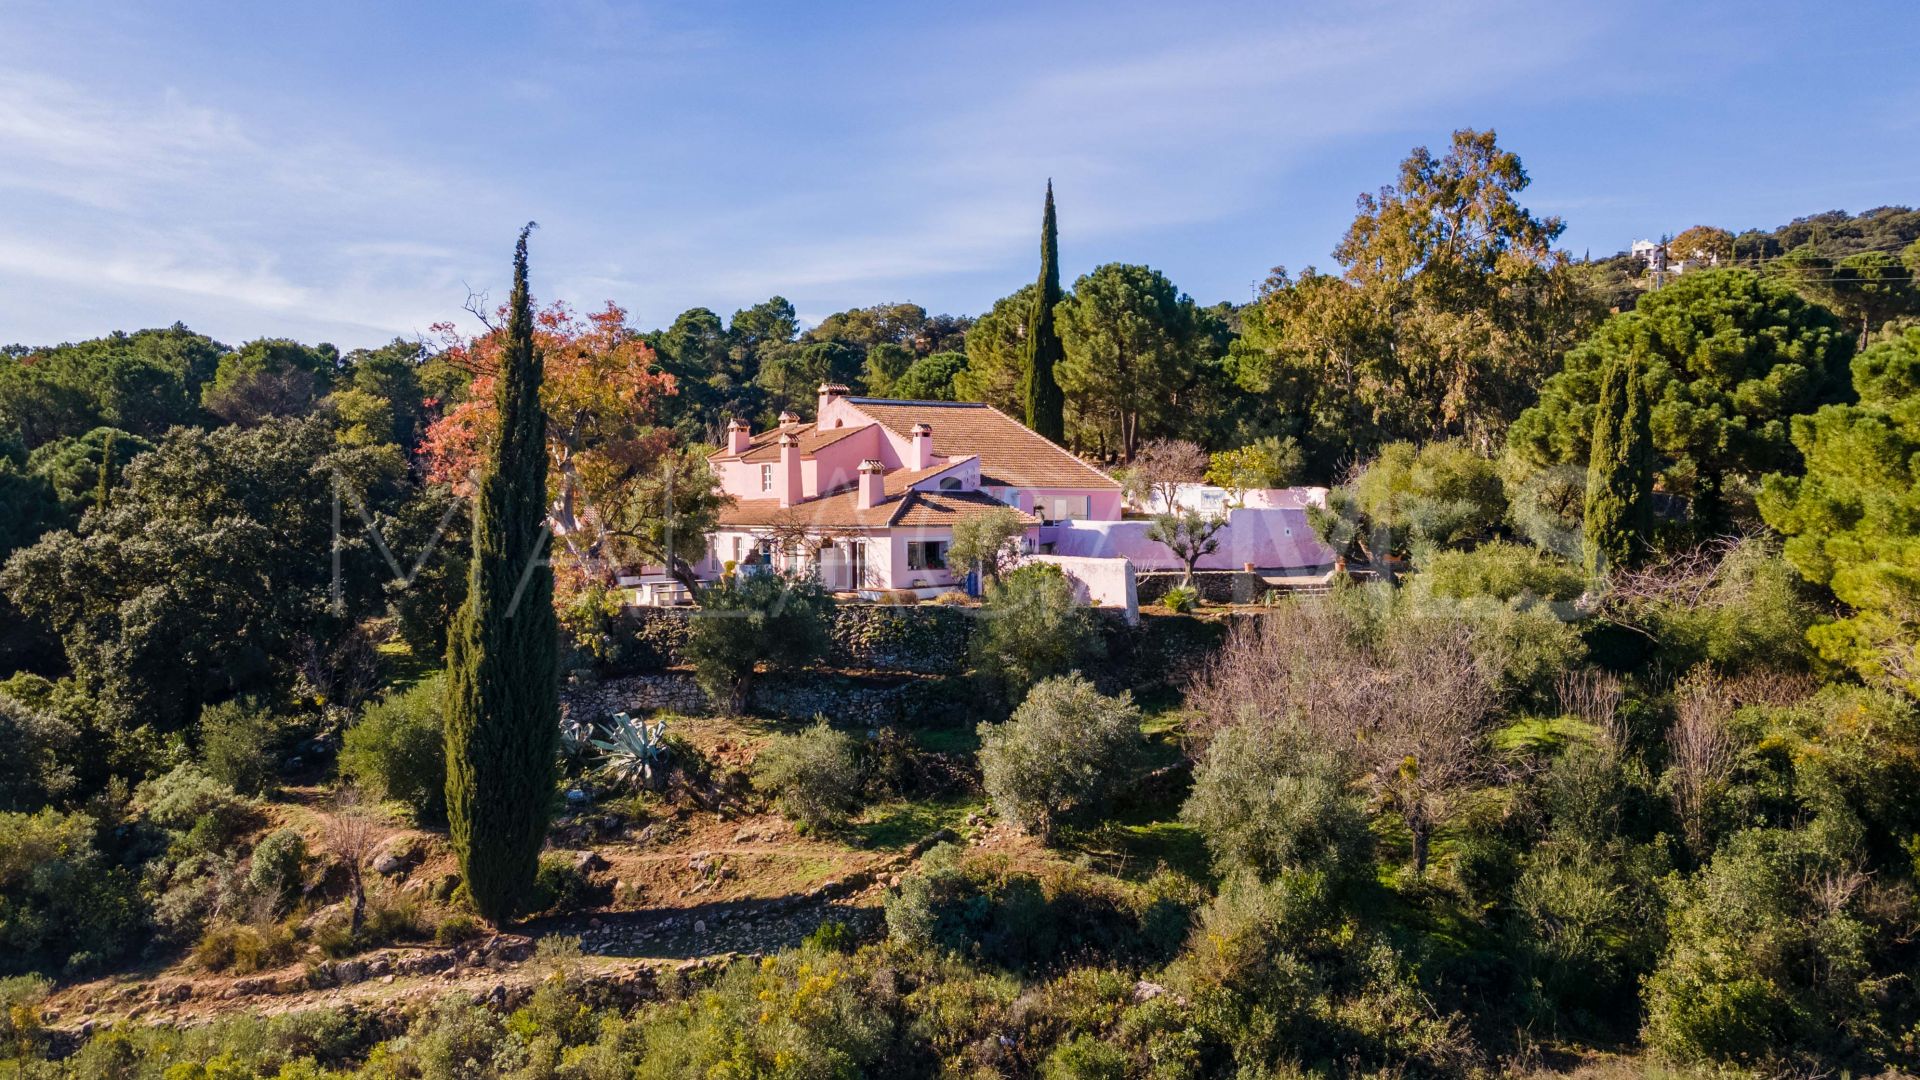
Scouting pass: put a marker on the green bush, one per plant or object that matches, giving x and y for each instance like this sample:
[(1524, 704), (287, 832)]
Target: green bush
[(1415, 499), (36, 755), (748, 621), (1063, 755), (203, 814), (986, 909), (799, 1014), (559, 887), (22, 1026), (1267, 803), (813, 776), (397, 751), (1031, 629), (1752, 614), (1778, 960), (591, 625), (239, 743), (458, 927), (1503, 571), (244, 950), (1181, 599), (1281, 977), (279, 866), (62, 904), (1085, 1057)]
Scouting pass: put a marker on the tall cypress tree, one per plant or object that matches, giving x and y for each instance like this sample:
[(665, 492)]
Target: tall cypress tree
[(103, 491), (1619, 513), (1046, 406), (502, 708)]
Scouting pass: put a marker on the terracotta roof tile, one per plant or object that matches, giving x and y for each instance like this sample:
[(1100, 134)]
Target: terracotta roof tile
[(842, 510), (1011, 454), (765, 445)]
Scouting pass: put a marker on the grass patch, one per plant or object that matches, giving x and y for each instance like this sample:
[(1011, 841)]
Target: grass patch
[(895, 825), (809, 872), (1137, 851), (958, 739), (401, 667)]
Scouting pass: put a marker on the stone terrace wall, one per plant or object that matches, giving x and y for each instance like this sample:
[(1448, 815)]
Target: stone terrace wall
[(1216, 586), (892, 664), (913, 640), (904, 702)]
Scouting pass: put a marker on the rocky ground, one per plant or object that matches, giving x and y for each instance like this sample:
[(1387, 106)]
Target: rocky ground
[(685, 894)]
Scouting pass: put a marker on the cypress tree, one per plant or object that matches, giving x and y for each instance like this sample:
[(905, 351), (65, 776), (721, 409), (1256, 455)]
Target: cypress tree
[(1619, 512), (502, 707), (103, 493), (1046, 406)]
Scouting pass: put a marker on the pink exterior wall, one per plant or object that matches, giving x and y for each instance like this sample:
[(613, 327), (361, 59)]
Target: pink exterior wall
[(837, 467), (1097, 581), (1269, 539), (1103, 504)]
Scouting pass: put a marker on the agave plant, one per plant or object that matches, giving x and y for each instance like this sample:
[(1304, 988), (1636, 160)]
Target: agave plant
[(634, 752), (576, 737)]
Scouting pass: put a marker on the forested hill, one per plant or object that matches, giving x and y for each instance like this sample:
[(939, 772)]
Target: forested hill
[(1599, 739)]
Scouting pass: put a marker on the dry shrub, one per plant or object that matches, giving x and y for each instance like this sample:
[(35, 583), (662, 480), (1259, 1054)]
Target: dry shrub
[(1409, 711)]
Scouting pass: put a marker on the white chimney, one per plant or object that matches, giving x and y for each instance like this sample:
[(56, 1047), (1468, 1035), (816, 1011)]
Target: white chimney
[(920, 452), (739, 436), (786, 479), (873, 484), (789, 418)]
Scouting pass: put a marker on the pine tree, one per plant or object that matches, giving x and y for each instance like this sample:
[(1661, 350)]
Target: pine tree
[(1619, 513), (502, 709), (1046, 407)]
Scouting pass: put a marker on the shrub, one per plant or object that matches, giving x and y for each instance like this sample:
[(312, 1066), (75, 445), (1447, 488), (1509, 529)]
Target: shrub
[(204, 814), (814, 776), (1266, 803), (799, 1014), (1503, 571), (397, 751), (22, 1031), (986, 909), (1777, 960), (1062, 756), (1031, 629), (1085, 1057), (61, 903), (590, 624), (36, 747), (239, 743), (1752, 614), (244, 950), (458, 927), (1433, 496), (279, 866), (1181, 599), (750, 620), (559, 886)]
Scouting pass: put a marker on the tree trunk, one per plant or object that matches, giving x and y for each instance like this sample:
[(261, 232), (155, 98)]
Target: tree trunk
[(1421, 834), (357, 913)]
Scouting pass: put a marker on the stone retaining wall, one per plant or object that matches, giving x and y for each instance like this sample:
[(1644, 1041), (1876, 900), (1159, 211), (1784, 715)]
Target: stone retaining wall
[(1215, 586), (801, 696)]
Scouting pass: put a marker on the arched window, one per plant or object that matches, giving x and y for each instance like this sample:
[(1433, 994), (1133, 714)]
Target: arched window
[(949, 483)]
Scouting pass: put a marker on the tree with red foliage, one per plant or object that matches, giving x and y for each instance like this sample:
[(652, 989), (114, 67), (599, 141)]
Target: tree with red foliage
[(620, 489)]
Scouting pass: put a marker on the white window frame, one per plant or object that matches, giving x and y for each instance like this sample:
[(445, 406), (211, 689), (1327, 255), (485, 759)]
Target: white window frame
[(766, 478)]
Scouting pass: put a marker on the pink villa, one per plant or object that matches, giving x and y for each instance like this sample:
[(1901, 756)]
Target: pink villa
[(867, 495)]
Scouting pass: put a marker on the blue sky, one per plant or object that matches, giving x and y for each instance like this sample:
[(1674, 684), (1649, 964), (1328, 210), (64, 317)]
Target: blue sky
[(345, 171)]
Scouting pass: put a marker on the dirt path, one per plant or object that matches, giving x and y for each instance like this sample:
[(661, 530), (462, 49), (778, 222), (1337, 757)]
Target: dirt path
[(628, 948)]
